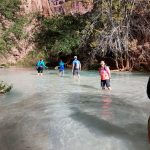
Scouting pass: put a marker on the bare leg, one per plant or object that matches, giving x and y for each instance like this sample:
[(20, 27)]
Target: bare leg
[(109, 88), (63, 73), (78, 76), (60, 73)]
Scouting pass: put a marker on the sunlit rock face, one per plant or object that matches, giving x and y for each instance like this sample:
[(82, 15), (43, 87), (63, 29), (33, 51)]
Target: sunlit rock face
[(55, 7), (47, 8), (31, 6)]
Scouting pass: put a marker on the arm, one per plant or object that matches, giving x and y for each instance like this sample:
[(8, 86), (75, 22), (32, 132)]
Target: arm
[(44, 65), (99, 70), (72, 66), (80, 66), (108, 72)]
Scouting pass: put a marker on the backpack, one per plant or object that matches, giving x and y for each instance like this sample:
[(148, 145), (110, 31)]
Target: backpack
[(76, 65)]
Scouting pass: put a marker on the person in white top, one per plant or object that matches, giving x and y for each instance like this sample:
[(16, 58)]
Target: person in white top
[(76, 67)]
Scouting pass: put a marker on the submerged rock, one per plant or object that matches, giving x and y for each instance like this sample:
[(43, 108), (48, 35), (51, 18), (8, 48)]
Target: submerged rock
[(4, 88)]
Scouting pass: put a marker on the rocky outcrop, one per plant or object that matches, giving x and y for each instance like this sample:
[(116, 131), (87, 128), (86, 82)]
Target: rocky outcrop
[(21, 47), (54, 7), (33, 6), (5, 23)]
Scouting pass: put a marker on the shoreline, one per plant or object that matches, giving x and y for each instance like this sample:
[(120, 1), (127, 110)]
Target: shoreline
[(53, 68)]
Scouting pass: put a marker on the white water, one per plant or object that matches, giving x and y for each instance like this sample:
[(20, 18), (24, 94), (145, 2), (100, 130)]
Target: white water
[(54, 113)]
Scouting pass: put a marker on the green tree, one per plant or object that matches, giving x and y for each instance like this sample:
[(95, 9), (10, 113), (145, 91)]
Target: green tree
[(60, 34)]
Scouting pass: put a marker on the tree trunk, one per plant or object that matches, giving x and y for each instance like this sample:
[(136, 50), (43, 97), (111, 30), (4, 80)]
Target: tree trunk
[(117, 65)]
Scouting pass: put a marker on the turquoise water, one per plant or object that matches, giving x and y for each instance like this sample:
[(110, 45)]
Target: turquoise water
[(53, 113)]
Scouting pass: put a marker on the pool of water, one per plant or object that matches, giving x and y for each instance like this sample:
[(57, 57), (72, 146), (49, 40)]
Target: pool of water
[(58, 113)]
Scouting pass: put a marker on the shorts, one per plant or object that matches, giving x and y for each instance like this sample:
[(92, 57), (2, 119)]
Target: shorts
[(40, 69), (76, 72), (105, 83), (61, 70)]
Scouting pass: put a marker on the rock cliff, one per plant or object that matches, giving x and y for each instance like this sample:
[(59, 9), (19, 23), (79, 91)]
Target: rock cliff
[(33, 6), (19, 47), (54, 7)]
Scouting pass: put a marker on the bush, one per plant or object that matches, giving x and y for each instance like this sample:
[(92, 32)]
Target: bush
[(8, 8), (6, 41), (2, 46), (4, 88), (17, 28), (31, 59)]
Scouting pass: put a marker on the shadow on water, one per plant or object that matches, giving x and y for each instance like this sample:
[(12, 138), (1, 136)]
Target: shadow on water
[(89, 87), (23, 132), (130, 132), (24, 126)]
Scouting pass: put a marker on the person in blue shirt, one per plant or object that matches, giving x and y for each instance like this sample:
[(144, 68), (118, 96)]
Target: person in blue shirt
[(61, 68), (76, 67), (40, 66)]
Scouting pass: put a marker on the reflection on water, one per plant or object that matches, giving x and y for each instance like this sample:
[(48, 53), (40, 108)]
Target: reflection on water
[(53, 113), (106, 113)]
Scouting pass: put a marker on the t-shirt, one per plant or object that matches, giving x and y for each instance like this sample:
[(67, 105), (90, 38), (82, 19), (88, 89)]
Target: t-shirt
[(104, 73), (61, 65), (76, 64), (41, 64)]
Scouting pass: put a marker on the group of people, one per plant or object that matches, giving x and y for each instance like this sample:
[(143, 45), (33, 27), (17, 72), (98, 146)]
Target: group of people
[(104, 71)]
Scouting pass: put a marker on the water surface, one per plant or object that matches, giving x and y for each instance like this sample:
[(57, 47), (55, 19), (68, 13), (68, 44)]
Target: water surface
[(53, 113)]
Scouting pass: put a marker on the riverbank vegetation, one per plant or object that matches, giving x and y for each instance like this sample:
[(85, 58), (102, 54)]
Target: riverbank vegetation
[(116, 31), (60, 35), (119, 33), (4, 88), (12, 24)]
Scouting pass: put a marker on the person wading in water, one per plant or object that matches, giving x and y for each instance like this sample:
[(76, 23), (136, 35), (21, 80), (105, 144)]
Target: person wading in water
[(40, 66), (76, 67), (104, 72), (61, 68)]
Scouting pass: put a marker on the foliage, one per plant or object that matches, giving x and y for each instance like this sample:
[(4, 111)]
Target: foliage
[(17, 28), (8, 8), (2, 45), (9, 36), (4, 88), (31, 58), (109, 30), (60, 34)]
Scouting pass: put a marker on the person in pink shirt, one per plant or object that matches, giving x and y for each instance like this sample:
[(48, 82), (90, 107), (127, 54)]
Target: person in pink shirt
[(105, 75)]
